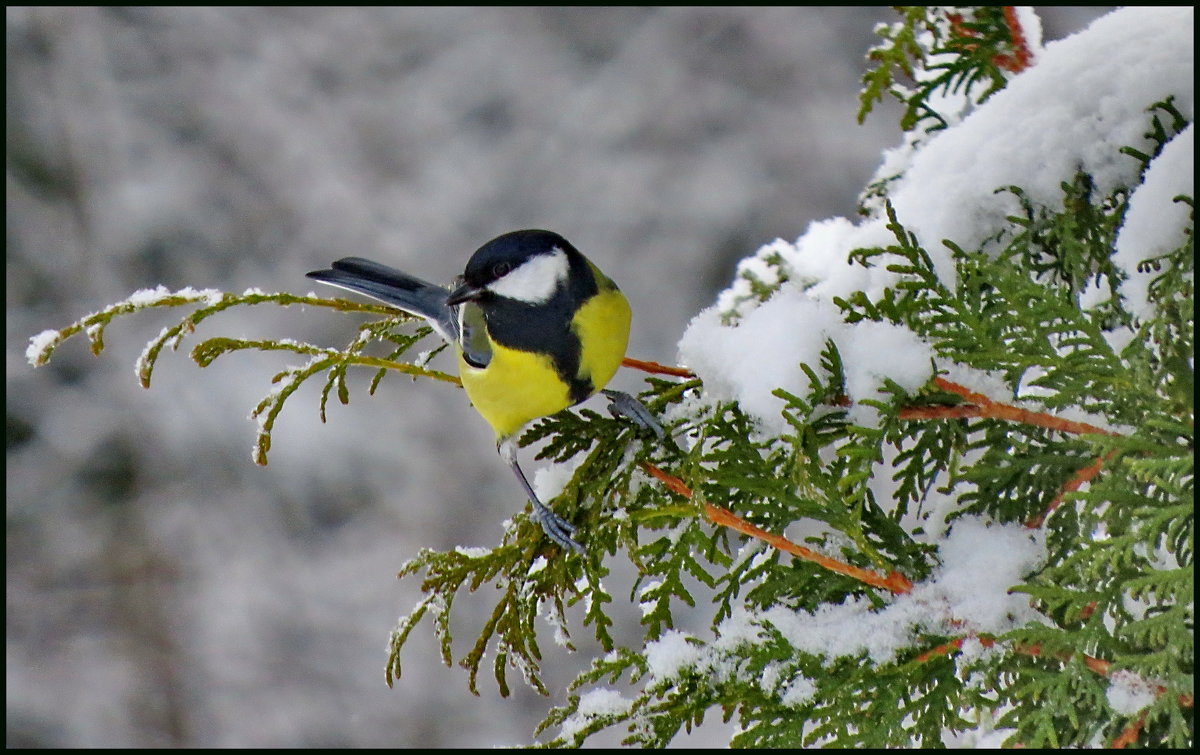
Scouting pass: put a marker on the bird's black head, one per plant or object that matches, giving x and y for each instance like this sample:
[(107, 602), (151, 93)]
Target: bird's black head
[(527, 266)]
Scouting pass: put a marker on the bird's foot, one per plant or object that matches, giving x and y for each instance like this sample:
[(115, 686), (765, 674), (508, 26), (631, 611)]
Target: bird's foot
[(556, 528), (622, 404)]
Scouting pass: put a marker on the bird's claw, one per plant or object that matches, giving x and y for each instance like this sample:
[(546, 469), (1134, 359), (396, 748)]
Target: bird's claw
[(556, 528)]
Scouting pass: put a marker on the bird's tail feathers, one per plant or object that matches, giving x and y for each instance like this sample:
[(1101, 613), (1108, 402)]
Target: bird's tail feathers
[(393, 287)]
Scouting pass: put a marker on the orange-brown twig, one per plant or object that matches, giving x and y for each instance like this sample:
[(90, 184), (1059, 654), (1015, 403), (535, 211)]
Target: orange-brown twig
[(1083, 475), (1130, 733), (996, 410), (951, 646), (1095, 664), (982, 406), (656, 368), (671, 481), (895, 581), (1034, 650)]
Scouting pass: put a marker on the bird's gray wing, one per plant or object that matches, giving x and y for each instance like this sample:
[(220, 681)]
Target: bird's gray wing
[(473, 339)]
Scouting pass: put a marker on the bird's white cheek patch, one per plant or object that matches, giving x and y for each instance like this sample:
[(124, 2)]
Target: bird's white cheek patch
[(536, 280)]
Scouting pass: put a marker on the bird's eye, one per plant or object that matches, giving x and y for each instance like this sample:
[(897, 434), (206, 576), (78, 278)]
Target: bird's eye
[(500, 269)]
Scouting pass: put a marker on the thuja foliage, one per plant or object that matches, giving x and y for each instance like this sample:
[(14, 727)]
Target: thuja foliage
[(939, 51), (1114, 596), (1118, 582), (1115, 592), (939, 62)]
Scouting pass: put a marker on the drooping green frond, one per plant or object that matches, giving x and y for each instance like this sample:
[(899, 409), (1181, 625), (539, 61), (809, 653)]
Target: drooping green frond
[(333, 362)]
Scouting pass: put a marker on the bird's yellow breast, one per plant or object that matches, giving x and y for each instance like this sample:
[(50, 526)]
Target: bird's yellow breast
[(518, 386), (602, 325)]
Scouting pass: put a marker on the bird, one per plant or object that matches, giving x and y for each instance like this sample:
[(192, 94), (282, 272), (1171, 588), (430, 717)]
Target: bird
[(536, 327)]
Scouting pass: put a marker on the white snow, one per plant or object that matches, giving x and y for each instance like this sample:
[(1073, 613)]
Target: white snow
[(549, 481), (40, 344), (670, 654), (557, 622), (750, 359), (35, 353), (595, 703), (1155, 221), (761, 353), (1086, 98), (800, 691), (470, 552), (1031, 27), (969, 594), (1129, 693), (147, 296)]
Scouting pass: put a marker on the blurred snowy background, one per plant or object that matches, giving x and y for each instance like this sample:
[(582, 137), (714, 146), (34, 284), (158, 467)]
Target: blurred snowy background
[(162, 590)]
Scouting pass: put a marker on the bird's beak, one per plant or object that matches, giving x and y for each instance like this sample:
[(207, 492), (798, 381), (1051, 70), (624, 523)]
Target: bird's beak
[(464, 293)]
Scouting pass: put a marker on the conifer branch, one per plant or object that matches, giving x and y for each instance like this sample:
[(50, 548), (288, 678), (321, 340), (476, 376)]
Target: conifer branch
[(1034, 650), (1015, 307), (895, 581), (205, 353), (1021, 56), (960, 411), (1103, 668), (1099, 666)]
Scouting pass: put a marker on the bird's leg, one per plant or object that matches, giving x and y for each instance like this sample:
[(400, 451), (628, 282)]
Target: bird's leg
[(624, 405), (556, 528)]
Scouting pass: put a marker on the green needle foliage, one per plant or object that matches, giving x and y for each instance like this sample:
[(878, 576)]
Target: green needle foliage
[(1112, 600), (938, 51)]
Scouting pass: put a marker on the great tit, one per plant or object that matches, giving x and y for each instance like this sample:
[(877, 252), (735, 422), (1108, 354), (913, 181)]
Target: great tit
[(536, 326)]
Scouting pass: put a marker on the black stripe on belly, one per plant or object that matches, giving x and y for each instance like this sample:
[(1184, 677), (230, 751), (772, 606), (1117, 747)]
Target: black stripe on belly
[(539, 329), (546, 328), (580, 389)]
